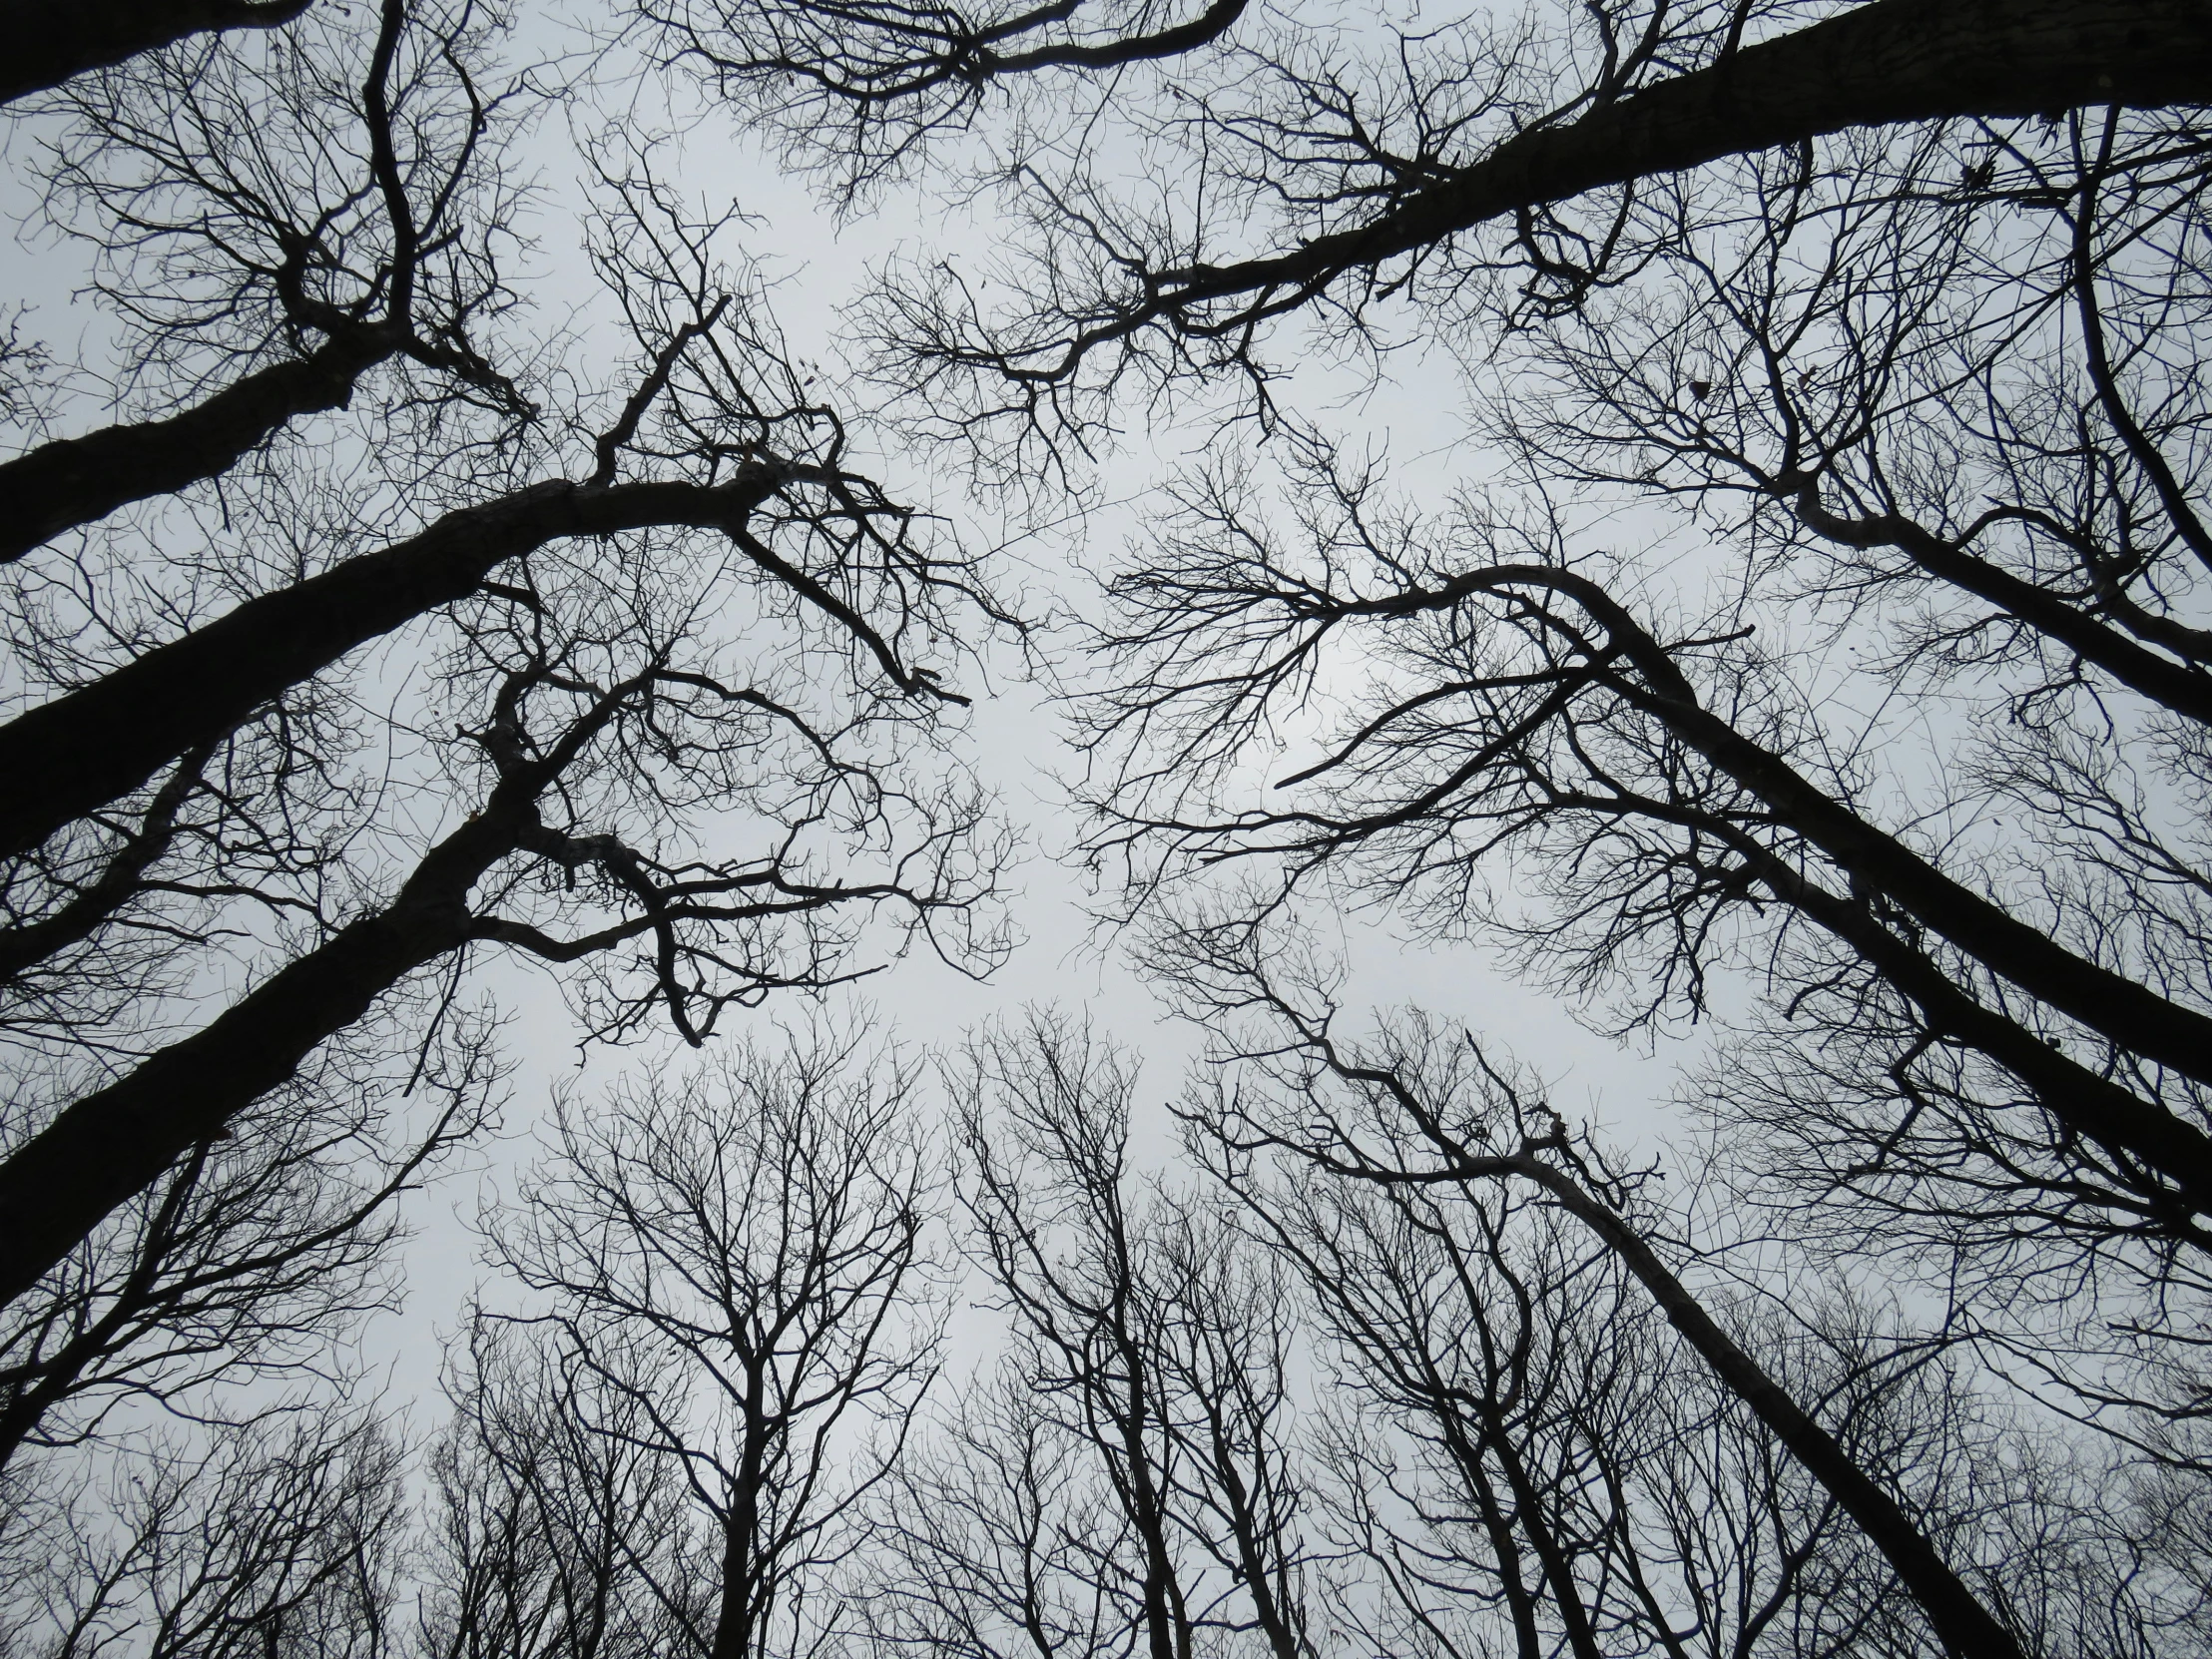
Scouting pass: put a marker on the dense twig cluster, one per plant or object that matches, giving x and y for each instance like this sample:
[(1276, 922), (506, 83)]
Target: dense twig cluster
[(1816, 647)]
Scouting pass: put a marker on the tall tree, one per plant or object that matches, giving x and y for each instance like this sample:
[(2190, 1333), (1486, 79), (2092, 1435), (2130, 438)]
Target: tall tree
[(599, 697), (1473, 1307), (1151, 1363), (1331, 178), (738, 1262), (256, 1256)]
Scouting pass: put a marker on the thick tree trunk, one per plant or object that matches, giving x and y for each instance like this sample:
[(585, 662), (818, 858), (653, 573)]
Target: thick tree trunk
[(86, 748), (2131, 1015), (115, 1142), (1165, 1634), (1872, 65), (2135, 1018), (744, 1596), (2088, 1104), (36, 1389), (76, 481), (1963, 1624), (25, 947), (48, 40)]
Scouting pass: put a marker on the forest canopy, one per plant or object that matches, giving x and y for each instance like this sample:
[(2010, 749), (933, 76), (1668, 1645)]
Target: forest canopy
[(1699, 513)]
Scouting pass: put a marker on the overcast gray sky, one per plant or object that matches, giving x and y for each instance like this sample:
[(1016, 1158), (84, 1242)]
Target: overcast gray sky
[(815, 265)]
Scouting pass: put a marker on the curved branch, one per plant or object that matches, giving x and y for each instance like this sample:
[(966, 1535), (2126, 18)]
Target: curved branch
[(1209, 26)]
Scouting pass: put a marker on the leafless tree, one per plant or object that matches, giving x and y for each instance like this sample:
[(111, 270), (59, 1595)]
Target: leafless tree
[(1490, 1286), (559, 1530), (361, 626), (1135, 1480), (599, 703), (610, 657), (738, 1270), (251, 1256), (1332, 170), (268, 226), (1937, 395), (285, 1537), (998, 1534), (871, 83)]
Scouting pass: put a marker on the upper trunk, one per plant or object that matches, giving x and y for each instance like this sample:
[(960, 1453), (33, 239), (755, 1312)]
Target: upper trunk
[(90, 745), (113, 1143), (75, 481), (50, 40), (1874, 65)]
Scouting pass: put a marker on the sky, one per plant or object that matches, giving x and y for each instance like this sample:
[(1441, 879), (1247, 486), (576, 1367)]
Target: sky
[(1017, 743), (815, 263)]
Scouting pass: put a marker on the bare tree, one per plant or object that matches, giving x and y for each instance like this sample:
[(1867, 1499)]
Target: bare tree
[(365, 624), (612, 691), (251, 1256), (1335, 171), (558, 1529), (278, 223), (1151, 1362), (1498, 1244), (1669, 797), (997, 1533), (737, 1265), (278, 1538), (570, 709), (871, 83), (609, 656)]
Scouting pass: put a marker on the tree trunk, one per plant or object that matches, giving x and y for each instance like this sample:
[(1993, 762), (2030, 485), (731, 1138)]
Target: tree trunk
[(75, 481), (115, 1142), (84, 749), (48, 40), (2131, 1015), (1960, 1622), (1872, 65)]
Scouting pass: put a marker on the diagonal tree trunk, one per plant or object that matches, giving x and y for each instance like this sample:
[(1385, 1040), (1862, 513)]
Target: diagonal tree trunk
[(2131, 1015), (1874, 65), (1961, 1623), (84, 749), (75, 481), (113, 1143), (48, 40)]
